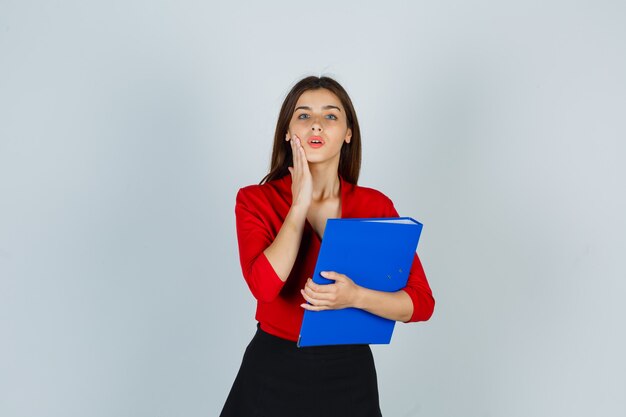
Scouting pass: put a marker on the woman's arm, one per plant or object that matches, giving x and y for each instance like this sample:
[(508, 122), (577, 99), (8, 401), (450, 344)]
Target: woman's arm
[(345, 293), (390, 305), (282, 253), (267, 259), (414, 302)]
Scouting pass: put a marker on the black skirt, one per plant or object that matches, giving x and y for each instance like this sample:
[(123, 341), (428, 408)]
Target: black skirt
[(278, 379)]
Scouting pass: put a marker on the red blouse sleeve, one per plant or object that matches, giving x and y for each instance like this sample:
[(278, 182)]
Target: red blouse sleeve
[(253, 238), (417, 285)]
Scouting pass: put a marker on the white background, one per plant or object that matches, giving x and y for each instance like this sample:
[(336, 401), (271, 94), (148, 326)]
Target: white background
[(127, 127)]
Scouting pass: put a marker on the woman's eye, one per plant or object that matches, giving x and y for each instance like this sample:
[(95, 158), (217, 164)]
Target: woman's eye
[(332, 116)]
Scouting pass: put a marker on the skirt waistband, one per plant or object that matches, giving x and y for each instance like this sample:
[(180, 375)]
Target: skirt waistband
[(280, 343)]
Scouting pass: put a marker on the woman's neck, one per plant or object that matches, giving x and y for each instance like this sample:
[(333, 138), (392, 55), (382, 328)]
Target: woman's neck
[(326, 183)]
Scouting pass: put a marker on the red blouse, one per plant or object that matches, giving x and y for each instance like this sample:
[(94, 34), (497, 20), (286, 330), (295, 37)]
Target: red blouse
[(260, 211)]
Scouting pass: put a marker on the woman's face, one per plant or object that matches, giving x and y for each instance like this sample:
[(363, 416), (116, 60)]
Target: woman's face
[(320, 122)]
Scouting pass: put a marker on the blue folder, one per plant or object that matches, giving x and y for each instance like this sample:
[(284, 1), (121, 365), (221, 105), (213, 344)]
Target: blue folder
[(376, 253)]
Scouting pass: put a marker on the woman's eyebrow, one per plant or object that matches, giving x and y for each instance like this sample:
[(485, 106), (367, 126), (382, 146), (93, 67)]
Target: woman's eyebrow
[(324, 107)]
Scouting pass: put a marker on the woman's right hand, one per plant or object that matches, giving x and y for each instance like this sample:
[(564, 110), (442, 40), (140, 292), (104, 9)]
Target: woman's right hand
[(302, 182)]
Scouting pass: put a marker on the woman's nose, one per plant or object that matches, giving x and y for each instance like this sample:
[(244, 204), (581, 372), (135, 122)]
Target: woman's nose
[(316, 126)]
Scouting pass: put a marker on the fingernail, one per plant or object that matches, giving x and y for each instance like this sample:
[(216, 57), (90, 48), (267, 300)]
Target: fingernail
[(323, 273)]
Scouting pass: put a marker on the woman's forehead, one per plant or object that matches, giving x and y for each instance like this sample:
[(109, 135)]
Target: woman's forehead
[(318, 98)]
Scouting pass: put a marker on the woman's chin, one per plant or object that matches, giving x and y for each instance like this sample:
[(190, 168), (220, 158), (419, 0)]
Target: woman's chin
[(319, 159)]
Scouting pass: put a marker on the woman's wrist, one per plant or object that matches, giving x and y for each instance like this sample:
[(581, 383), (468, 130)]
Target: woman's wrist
[(360, 297), (295, 220), (298, 212)]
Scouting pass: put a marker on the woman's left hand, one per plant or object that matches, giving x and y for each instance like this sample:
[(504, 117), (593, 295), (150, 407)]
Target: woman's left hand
[(340, 294)]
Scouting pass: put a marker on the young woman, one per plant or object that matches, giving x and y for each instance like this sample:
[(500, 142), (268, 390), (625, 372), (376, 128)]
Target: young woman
[(314, 171)]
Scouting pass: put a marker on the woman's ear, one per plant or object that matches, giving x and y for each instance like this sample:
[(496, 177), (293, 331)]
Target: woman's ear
[(287, 136), (349, 136)]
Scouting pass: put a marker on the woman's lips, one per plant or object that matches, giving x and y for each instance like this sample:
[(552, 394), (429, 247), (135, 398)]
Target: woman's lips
[(315, 142)]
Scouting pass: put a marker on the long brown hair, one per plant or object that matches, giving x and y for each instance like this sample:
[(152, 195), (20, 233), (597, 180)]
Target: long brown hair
[(350, 156)]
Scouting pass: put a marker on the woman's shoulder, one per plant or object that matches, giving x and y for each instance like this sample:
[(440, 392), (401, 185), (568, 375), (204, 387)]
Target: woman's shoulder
[(265, 191), (370, 193), (371, 200)]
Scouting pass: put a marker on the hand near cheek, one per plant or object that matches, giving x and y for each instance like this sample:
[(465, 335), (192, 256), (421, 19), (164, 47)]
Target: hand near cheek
[(342, 293), (302, 181)]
